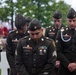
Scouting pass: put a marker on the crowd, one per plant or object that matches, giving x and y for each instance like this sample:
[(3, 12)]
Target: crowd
[(34, 50)]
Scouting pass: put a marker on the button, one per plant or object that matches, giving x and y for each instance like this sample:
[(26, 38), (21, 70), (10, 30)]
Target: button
[(34, 65), (26, 53), (34, 54), (34, 59)]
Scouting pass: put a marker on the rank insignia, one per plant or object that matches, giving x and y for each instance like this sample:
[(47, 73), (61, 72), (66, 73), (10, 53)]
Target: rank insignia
[(35, 27), (16, 31), (52, 33), (42, 39), (66, 28), (54, 53), (28, 47)]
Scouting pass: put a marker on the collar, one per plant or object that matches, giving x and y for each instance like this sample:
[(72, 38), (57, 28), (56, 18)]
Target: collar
[(41, 39), (57, 27)]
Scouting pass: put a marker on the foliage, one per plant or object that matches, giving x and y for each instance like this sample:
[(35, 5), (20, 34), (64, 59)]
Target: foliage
[(41, 9), (0, 71)]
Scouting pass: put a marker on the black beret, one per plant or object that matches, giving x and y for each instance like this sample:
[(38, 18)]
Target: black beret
[(20, 21), (28, 19), (57, 14), (71, 14), (34, 25)]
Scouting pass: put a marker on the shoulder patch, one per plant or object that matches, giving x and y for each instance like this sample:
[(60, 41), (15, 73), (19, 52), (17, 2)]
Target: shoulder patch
[(53, 43)]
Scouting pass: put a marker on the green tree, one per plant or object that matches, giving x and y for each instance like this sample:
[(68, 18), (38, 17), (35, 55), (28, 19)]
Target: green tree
[(41, 9)]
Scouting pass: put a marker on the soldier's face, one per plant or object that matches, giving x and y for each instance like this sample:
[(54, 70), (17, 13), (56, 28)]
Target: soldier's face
[(57, 22), (71, 23), (35, 35), (27, 24), (25, 28)]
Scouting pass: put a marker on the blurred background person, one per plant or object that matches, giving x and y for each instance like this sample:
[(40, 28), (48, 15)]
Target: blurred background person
[(66, 45), (12, 40), (28, 20), (52, 31)]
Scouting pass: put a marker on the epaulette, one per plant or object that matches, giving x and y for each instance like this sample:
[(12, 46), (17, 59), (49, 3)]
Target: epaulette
[(25, 37), (48, 38), (53, 42), (12, 31)]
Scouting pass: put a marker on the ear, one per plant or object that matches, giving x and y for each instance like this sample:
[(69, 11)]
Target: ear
[(61, 19), (42, 29)]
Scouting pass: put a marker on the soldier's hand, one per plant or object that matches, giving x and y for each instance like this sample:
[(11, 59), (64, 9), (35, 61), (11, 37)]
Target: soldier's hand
[(57, 64), (72, 66)]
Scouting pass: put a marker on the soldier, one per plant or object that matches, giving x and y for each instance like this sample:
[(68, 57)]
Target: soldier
[(12, 41), (28, 20), (52, 31), (66, 45), (36, 54)]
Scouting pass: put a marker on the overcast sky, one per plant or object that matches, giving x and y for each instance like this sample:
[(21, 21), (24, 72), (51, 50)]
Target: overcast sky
[(72, 3)]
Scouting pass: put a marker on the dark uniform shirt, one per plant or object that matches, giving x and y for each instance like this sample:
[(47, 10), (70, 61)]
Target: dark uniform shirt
[(11, 45), (51, 31), (66, 48), (36, 58)]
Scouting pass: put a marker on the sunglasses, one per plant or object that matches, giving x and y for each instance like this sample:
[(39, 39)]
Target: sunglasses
[(35, 33), (56, 20)]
